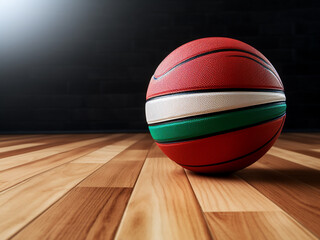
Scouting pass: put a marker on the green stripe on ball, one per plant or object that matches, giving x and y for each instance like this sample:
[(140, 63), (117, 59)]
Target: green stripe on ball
[(219, 122)]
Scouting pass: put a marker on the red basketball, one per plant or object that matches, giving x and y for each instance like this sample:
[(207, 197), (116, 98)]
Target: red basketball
[(215, 105)]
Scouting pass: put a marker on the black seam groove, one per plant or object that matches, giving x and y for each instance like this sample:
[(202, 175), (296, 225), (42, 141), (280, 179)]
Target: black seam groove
[(235, 159), (256, 62), (222, 132), (219, 90), (207, 53), (217, 113), (261, 65)]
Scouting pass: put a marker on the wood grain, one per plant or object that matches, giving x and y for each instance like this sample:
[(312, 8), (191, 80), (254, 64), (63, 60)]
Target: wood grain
[(162, 205), (13, 161), (32, 149), (84, 213), (228, 194), (24, 202), (306, 136), (292, 145), (133, 155), (107, 208), (108, 220), (121, 186), (294, 197), (310, 152), (42, 139), (113, 149), (144, 144), (295, 157), (114, 174), (19, 136), (256, 225), (14, 175), (19, 146), (122, 170), (297, 137), (304, 174)]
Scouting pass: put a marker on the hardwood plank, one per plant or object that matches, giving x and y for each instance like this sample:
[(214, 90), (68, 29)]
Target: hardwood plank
[(19, 146), (13, 161), (108, 220), (54, 141), (133, 155), (256, 225), (111, 206), (24, 202), (228, 194), (38, 147), (18, 136), (299, 138), (144, 144), (64, 147), (122, 170), (292, 145), (162, 205), (298, 199), (84, 213), (83, 192), (114, 174), (310, 153), (12, 176), (314, 136), (304, 174), (295, 157), (107, 153), (42, 139)]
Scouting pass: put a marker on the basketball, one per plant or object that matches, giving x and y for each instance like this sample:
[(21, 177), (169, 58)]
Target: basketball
[(215, 105)]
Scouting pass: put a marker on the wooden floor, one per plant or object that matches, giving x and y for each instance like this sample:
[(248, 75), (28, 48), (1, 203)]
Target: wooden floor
[(106, 186)]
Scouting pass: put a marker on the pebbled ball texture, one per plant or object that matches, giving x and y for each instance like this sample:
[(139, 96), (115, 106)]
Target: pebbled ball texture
[(218, 64)]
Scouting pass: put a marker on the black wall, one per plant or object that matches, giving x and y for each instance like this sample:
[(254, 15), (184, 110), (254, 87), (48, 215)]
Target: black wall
[(92, 70)]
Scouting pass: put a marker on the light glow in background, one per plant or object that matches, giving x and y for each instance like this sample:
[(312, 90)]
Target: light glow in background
[(27, 27)]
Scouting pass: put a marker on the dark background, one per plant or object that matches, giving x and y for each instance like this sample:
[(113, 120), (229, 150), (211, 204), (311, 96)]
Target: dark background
[(89, 69)]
